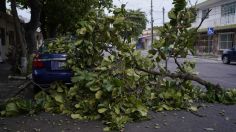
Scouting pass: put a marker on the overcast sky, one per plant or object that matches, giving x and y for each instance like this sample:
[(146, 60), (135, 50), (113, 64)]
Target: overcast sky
[(144, 5)]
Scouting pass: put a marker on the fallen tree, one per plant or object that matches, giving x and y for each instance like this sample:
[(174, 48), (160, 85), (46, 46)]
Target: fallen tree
[(123, 86)]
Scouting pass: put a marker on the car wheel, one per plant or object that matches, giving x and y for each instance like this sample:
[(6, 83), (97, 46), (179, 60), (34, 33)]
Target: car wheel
[(226, 60)]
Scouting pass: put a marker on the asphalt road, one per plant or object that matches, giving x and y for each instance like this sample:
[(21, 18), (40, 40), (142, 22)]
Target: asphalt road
[(218, 72), (219, 118), (212, 70)]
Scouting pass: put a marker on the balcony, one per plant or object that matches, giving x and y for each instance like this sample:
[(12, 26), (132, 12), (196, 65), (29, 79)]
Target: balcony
[(217, 21)]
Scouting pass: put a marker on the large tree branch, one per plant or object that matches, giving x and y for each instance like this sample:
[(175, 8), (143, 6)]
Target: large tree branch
[(185, 76)]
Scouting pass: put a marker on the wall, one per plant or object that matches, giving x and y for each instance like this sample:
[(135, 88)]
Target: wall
[(6, 23), (215, 19)]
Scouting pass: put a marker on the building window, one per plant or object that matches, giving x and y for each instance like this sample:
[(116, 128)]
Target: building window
[(228, 9), (226, 40), (204, 44), (205, 13)]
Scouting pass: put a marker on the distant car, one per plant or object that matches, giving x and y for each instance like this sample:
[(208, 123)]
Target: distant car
[(228, 56), (49, 67)]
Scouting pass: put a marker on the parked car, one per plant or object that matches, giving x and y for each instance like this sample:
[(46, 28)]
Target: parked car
[(49, 67), (229, 55)]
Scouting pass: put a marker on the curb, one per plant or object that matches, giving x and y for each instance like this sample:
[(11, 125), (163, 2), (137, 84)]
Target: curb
[(208, 58)]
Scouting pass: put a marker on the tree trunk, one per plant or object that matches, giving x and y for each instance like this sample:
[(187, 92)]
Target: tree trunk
[(43, 21), (31, 27), (3, 6), (21, 47)]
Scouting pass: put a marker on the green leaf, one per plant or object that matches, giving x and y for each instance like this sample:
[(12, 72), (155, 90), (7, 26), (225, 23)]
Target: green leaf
[(59, 98), (172, 15), (153, 96), (117, 110), (193, 108), (73, 91), (11, 109), (142, 110), (90, 28), (90, 83), (107, 85), (106, 129), (82, 31), (76, 116), (94, 88), (102, 110), (166, 107), (98, 94), (75, 79), (60, 90), (78, 42)]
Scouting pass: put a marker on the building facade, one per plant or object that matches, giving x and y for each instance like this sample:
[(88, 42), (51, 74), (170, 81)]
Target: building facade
[(221, 22), (7, 34)]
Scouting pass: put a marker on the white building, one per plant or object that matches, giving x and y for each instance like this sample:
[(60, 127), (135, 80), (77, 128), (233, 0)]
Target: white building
[(222, 19)]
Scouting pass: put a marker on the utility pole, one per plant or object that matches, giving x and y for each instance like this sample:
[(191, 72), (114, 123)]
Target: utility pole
[(163, 12), (152, 21), (166, 48)]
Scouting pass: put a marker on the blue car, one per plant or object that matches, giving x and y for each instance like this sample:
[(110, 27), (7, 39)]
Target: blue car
[(49, 67)]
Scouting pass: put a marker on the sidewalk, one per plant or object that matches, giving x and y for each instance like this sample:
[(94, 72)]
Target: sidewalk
[(7, 87), (215, 58)]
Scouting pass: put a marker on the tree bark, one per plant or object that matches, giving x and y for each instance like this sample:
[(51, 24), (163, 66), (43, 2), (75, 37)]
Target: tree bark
[(43, 22), (21, 47), (3, 6), (31, 27)]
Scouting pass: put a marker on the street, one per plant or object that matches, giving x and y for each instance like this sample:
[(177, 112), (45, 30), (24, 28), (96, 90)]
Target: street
[(222, 74)]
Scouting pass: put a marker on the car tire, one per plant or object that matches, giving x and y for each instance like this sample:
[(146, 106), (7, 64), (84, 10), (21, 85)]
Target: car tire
[(226, 59)]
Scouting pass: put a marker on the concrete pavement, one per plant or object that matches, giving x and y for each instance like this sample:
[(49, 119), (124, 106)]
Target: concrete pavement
[(7, 87)]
